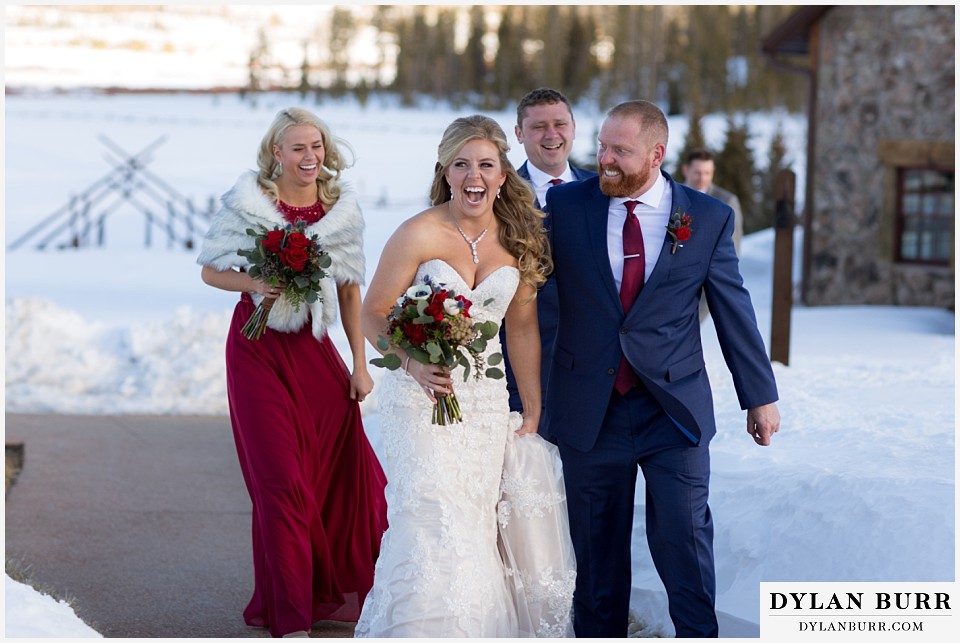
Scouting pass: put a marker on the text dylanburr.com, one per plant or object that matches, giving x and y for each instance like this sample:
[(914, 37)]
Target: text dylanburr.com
[(863, 611)]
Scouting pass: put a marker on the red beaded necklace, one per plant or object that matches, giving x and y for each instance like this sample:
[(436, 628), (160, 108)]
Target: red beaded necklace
[(308, 214)]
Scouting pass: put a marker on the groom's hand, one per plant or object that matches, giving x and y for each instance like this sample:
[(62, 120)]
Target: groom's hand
[(763, 422)]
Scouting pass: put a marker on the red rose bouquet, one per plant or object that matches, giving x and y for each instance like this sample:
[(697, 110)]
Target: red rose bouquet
[(432, 325), (284, 256)]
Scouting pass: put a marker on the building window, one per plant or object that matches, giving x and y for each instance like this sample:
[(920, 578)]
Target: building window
[(925, 215)]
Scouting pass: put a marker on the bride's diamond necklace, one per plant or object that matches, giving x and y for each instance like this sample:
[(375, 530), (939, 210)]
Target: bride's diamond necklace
[(473, 242)]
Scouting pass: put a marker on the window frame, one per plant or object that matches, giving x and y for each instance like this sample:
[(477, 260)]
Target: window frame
[(901, 217)]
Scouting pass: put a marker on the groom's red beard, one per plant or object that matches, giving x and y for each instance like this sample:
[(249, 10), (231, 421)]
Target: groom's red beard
[(623, 185)]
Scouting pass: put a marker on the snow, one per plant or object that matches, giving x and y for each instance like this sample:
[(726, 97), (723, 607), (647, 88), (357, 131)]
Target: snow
[(858, 485), (29, 613)]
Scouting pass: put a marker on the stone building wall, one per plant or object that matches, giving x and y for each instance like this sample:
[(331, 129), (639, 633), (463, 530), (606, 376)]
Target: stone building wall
[(885, 80)]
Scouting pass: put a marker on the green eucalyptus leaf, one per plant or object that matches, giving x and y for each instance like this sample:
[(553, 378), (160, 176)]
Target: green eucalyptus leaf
[(494, 373), (488, 329), (419, 354), (310, 297), (301, 281), (494, 359), (382, 343), (390, 361), (478, 345)]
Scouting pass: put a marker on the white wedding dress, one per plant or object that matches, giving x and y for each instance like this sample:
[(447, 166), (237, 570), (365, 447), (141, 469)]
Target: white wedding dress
[(478, 543)]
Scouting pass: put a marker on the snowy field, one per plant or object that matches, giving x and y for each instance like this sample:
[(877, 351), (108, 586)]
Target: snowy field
[(861, 472)]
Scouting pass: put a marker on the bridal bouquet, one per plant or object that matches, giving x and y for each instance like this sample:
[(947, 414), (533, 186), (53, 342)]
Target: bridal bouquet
[(284, 256), (432, 325)]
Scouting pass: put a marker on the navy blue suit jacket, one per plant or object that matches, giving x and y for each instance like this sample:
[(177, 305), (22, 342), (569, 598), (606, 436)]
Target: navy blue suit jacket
[(660, 336), (547, 315)]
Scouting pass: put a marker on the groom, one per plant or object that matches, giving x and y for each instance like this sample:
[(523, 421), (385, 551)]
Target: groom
[(634, 251)]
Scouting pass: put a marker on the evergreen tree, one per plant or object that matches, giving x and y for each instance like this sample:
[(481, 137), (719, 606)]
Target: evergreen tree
[(510, 72), (736, 172), (554, 50), (626, 55), (777, 161), (693, 141), (402, 82), (304, 86), (677, 57), (342, 32), (444, 67), (580, 67), (474, 67)]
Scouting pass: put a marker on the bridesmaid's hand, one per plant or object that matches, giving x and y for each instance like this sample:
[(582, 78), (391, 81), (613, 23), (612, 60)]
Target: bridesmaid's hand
[(431, 378), (360, 384), (268, 291)]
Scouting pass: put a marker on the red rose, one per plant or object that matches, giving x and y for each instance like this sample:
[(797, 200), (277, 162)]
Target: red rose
[(298, 240), (415, 333), (273, 240), (683, 233), (294, 257), (435, 310)]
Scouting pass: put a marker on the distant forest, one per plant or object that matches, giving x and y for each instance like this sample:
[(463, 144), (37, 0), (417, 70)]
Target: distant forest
[(689, 59)]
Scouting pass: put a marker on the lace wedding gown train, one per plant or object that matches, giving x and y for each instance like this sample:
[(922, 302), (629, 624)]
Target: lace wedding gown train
[(477, 543)]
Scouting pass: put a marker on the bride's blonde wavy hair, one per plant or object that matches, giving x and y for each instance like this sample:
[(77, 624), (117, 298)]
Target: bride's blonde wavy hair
[(328, 186), (520, 222)]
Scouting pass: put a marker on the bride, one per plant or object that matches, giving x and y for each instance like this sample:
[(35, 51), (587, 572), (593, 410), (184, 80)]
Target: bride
[(478, 543)]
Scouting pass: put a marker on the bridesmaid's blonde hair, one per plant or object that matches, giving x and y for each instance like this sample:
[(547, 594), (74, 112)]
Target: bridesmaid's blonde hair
[(521, 223), (328, 188)]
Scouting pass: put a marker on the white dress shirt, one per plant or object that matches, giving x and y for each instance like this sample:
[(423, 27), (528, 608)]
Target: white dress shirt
[(654, 214), (541, 180)]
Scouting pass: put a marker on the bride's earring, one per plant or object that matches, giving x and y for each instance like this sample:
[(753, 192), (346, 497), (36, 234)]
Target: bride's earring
[(498, 192)]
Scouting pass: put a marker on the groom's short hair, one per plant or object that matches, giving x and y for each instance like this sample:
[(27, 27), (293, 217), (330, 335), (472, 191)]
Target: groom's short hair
[(650, 117)]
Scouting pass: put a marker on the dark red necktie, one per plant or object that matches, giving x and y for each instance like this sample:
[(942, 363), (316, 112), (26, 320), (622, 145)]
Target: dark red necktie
[(556, 181), (633, 272)]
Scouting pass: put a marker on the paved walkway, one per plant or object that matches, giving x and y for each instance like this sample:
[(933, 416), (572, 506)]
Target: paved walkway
[(144, 521)]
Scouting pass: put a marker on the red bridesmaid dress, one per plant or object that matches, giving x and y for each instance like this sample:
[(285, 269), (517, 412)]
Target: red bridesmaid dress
[(315, 482)]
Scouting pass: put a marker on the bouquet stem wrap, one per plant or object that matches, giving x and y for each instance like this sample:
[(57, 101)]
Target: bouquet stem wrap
[(447, 409), (257, 323)]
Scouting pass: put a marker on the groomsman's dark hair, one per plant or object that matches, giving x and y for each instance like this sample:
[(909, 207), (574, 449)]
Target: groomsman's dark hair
[(540, 96)]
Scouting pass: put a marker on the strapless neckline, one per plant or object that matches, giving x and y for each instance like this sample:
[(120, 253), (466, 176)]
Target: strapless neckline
[(477, 285)]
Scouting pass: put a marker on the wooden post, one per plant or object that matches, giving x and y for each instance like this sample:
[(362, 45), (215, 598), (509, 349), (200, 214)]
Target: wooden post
[(783, 223)]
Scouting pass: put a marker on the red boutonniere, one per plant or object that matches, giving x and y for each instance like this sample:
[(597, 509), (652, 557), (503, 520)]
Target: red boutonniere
[(679, 229)]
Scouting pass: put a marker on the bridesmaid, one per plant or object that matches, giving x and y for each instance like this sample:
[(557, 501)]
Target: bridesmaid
[(314, 481)]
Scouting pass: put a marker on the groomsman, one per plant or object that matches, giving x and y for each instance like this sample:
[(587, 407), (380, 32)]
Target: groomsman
[(634, 251), (546, 129)]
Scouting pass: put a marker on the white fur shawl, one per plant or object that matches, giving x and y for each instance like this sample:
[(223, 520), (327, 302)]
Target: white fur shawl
[(340, 233)]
